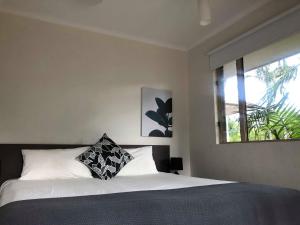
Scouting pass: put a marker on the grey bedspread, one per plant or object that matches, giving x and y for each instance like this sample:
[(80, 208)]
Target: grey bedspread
[(225, 204)]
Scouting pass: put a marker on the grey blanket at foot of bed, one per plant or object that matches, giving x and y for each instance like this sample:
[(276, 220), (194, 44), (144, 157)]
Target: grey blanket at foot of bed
[(226, 204)]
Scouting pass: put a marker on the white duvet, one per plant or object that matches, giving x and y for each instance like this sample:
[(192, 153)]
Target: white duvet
[(16, 190)]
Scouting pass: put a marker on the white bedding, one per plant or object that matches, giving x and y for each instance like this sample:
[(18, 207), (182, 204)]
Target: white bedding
[(15, 190)]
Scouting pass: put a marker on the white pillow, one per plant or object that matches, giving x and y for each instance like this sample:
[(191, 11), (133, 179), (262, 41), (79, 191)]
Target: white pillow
[(53, 164), (142, 164)]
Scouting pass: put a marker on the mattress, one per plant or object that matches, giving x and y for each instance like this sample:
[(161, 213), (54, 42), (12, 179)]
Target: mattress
[(17, 190)]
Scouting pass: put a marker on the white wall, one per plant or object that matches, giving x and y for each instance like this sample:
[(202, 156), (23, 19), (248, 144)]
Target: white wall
[(63, 85)]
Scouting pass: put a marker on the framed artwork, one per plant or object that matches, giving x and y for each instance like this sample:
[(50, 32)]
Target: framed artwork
[(157, 120)]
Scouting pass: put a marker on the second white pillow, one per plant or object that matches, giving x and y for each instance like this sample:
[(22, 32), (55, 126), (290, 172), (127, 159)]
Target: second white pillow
[(142, 164)]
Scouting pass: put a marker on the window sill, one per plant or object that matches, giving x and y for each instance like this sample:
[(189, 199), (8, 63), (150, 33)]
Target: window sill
[(266, 141)]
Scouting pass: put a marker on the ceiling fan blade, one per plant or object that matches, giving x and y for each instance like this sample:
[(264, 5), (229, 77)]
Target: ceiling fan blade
[(204, 12), (88, 2)]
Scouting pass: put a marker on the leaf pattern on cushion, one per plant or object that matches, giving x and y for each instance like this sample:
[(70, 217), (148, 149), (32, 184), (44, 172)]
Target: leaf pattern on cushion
[(105, 159)]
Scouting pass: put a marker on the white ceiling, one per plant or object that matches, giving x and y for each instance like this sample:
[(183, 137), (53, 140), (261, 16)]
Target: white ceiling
[(171, 23)]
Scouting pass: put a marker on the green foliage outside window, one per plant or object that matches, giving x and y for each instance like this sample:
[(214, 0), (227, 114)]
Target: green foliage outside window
[(273, 118)]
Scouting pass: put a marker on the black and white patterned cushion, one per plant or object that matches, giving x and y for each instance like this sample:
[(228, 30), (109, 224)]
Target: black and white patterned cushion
[(105, 159)]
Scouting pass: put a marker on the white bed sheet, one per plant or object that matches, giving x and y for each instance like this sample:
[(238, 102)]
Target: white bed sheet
[(16, 190)]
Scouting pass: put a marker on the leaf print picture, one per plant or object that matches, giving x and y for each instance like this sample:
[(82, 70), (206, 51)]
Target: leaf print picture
[(162, 116), (157, 120)]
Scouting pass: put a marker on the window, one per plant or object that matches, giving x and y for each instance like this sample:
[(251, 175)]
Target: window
[(258, 96)]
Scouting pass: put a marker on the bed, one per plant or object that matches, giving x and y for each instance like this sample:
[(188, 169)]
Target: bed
[(157, 199)]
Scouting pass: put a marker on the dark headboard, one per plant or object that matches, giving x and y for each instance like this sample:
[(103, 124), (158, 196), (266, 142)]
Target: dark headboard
[(11, 161)]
